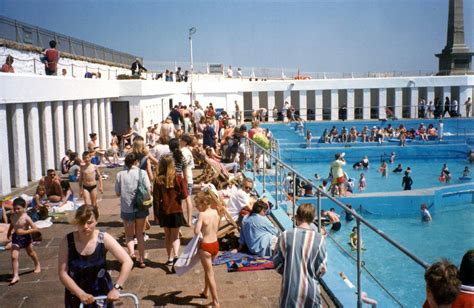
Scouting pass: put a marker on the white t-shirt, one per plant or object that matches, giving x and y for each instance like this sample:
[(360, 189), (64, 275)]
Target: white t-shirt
[(198, 114), (238, 200), (188, 157), (160, 150)]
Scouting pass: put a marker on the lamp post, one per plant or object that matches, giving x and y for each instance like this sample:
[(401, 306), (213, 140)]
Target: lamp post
[(191, 32)]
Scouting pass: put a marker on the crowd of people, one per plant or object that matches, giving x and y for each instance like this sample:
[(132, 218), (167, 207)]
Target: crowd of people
[(49, 57), (438, 108), (376, 134), (158, 167), (158, 171)]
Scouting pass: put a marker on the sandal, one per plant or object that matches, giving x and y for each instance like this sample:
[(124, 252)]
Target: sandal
[(141, 264)]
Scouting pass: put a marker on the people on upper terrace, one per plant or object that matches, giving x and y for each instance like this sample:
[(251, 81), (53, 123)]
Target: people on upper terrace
[(137, 68), (7, 67), (51, 59)]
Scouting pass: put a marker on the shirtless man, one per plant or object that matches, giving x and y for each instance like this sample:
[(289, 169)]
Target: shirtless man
[(94, 149), (87, 180), (333, 219), (167, 128), (52, 184)]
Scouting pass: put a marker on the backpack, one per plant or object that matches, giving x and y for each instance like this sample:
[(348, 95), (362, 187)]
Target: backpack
[(142, 200)]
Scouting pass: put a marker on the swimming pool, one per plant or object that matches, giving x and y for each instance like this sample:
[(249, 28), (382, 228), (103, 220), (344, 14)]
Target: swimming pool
[(424, 173), (449, 235)]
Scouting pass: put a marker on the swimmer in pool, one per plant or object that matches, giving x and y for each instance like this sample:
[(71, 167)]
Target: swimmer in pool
[(357, 165), (383, 169), (425, 214), (392, 157), (446, 173), (353, 239), (466, 172), (349, 215), (333, 219), (365, 162), (362, 183), (399, 169), (407, 181)]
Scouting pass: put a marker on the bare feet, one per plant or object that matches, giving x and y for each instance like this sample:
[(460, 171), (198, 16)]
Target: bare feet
[(37, 269), (14, 281), (203, 294)]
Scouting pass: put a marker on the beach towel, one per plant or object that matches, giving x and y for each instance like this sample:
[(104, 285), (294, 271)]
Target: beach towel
[(41, 224), (188, 257), (66, 207), (242, 262)]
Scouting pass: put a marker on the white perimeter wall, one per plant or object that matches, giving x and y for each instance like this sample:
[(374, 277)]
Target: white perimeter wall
[(23, 63), (147, 96)]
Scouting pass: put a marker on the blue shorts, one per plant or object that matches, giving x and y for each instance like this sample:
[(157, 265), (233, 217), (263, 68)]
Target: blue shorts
[(21, 241), (190, 189), (130, 217)]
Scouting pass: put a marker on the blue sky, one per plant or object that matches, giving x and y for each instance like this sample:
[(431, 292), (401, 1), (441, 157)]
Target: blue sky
[(315, 36)]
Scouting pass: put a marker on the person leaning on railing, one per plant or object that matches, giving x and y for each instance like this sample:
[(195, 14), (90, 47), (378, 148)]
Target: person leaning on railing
[(137, 68), (51, 59), (8, 66)]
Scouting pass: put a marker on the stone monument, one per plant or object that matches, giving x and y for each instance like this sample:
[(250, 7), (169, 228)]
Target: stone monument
[(455, 59)]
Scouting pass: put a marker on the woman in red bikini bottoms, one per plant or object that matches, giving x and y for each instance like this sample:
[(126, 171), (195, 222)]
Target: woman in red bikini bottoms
[(207, 224)]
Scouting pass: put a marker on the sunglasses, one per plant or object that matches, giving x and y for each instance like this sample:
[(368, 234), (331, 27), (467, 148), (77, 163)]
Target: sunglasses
[(247, 187)]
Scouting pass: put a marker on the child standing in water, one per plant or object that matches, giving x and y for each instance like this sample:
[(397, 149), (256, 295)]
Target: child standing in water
[(466, 172), (20, 230), (207, 224), (383, 169), (392, 157), (87, 180), (308, 138), (425, 214), (362, 183)]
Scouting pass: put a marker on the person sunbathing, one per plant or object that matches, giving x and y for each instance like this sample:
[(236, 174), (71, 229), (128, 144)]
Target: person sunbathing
[(257, 232), (233, 166)]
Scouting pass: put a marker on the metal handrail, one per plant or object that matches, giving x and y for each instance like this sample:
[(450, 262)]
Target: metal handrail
[(366, 270), (359, 219)]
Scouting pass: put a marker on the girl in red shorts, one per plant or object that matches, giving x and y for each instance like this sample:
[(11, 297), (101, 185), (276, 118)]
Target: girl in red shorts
[(207, 224)]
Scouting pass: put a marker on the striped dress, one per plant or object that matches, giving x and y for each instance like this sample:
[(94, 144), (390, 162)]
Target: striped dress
[(301, 258)]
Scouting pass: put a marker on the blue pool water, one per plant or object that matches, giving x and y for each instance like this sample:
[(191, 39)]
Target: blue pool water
[(450, 234), (424, 173)]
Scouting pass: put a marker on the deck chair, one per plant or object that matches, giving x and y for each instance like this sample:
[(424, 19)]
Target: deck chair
[(207, 176), (222, 176), (227, 224)]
